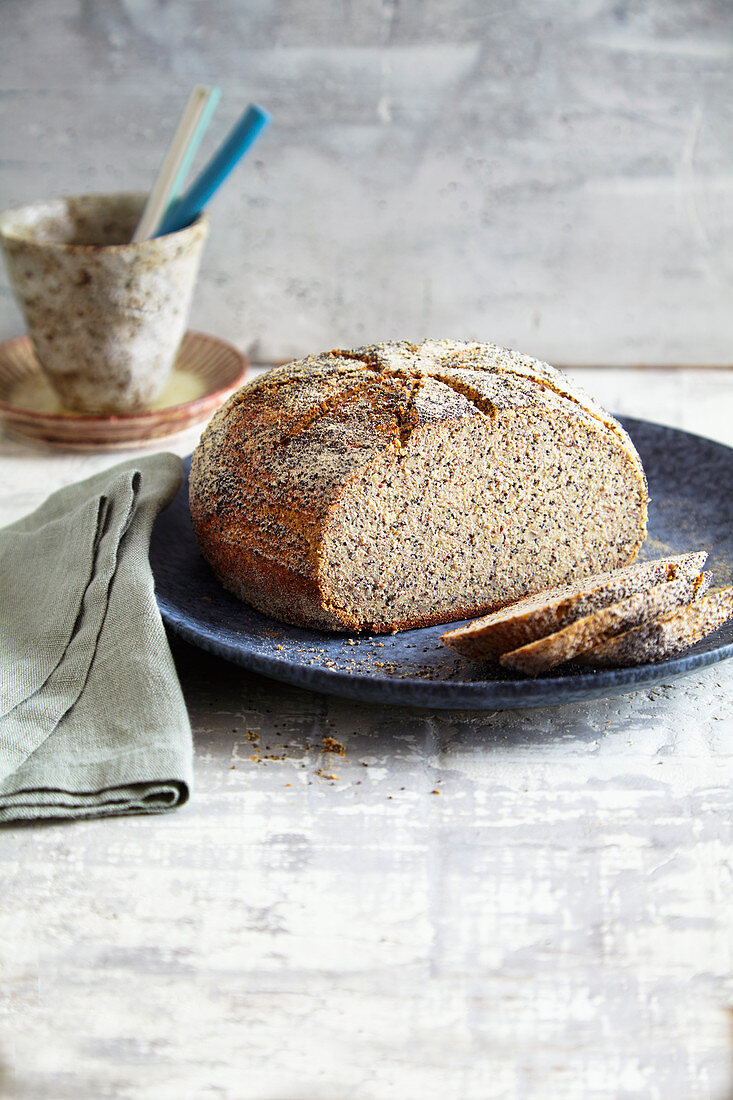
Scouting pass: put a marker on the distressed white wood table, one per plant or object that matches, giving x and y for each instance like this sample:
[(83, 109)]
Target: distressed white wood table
[(556, 922)]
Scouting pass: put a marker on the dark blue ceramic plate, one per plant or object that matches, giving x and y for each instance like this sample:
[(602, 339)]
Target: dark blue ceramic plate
[(691, 485)]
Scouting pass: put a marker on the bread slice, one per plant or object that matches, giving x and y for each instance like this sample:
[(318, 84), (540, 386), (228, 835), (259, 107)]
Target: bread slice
[(547, 612), (667, 636), (545, 653)]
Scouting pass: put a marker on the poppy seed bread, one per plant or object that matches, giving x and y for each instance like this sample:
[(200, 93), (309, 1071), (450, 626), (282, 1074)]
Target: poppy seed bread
[(401, 485), (600, 626), (667, 636), (544, 613)]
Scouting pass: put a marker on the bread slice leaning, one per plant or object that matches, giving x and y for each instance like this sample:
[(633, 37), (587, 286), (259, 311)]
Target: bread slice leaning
[(591, 630), (667, 636), (537, 616)]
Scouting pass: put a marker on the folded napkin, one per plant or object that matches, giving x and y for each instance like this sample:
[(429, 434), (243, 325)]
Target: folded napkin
[(92, 719)]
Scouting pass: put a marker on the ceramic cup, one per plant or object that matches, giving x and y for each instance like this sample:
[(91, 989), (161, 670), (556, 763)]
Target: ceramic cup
[(105, 316)]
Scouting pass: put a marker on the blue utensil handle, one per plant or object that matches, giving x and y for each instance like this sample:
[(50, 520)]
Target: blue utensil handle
[(246, 131)]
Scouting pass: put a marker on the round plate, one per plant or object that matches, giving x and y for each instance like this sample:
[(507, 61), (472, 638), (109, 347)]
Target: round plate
[(691, 486), (205, 372)]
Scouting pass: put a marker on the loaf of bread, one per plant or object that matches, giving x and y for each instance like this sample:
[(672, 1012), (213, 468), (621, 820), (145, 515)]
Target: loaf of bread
[(401, 485)]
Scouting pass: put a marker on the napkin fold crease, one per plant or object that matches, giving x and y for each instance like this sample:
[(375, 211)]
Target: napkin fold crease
[(92, 719)]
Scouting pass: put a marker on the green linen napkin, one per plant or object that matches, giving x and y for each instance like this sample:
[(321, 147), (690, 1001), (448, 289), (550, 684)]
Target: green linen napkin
[(92, 719)]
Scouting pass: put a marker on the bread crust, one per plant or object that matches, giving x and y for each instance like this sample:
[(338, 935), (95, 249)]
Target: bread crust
[(280, 462)]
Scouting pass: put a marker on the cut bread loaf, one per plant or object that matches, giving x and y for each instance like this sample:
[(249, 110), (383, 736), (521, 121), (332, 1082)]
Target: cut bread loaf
[(591, 630), (664, 637), (401, 485), (537, 616)]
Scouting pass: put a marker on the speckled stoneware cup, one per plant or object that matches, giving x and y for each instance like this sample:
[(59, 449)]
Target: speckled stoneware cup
[(105, 316)]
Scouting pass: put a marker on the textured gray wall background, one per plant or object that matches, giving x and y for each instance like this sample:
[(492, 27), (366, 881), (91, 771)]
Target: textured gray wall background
[(550, 174)]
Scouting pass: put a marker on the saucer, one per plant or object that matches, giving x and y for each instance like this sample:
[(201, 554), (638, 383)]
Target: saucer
[(205, 372)]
